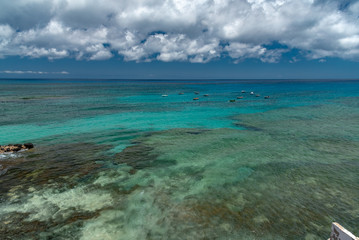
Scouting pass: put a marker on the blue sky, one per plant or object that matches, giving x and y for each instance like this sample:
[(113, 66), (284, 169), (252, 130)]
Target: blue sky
[(180, 39)]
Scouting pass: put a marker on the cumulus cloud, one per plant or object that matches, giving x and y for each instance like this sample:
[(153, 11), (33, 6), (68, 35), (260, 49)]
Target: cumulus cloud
[(179, 30)]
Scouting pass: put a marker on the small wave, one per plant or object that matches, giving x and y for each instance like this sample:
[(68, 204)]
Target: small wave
[(9, 155)]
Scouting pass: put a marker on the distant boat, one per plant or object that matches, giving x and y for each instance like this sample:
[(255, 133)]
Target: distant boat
[(196, 98), (164, 95), (232, 100), (252, 93), (243, 91), (266, 97), (205, 95), (196, 92), (258, 95), (181, 93), (239, 97)]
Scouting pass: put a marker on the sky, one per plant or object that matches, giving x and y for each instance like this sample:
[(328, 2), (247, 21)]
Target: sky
[(179, 39)]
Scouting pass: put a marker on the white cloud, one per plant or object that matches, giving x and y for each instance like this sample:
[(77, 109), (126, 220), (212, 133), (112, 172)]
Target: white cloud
[(32, 72), (350, 42), (51, 53), (5, 31), (178, 30), (172, 47)]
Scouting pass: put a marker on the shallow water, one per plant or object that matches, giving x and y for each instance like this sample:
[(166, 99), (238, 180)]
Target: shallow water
[(116, 160)]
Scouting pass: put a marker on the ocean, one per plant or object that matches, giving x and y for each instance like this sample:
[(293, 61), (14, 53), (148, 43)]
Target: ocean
[(140, 159)]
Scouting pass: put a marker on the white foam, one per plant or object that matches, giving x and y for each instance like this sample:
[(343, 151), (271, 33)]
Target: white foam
[(8, 155)]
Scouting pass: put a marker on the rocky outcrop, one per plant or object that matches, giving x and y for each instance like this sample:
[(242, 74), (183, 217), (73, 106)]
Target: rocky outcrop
[(15, 147)]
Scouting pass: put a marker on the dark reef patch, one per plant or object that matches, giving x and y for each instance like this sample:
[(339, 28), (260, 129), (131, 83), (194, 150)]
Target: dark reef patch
[(137, 156), (16, 226), (196, 132), (248, 127), (61, 164)]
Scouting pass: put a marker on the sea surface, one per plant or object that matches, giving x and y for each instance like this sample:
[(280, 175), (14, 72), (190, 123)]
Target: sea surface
[(118, 160)]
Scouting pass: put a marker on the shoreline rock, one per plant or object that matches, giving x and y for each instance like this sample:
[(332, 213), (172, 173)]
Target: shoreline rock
[(15, 147)]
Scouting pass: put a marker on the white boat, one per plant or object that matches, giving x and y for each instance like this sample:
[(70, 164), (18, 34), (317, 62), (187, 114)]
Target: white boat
[(164, 95), (252, 93)]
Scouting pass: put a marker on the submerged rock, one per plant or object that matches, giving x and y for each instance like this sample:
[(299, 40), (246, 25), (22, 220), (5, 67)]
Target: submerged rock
[(15, 147), (138, 156)]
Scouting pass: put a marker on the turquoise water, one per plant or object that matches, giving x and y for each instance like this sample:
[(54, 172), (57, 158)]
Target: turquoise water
[(116, 160)]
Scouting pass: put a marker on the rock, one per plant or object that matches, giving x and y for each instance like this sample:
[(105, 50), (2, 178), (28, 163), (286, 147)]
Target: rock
[(29, 145), (15, 147)]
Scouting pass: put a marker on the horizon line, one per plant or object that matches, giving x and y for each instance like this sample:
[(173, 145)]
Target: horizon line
[(182, 79)]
